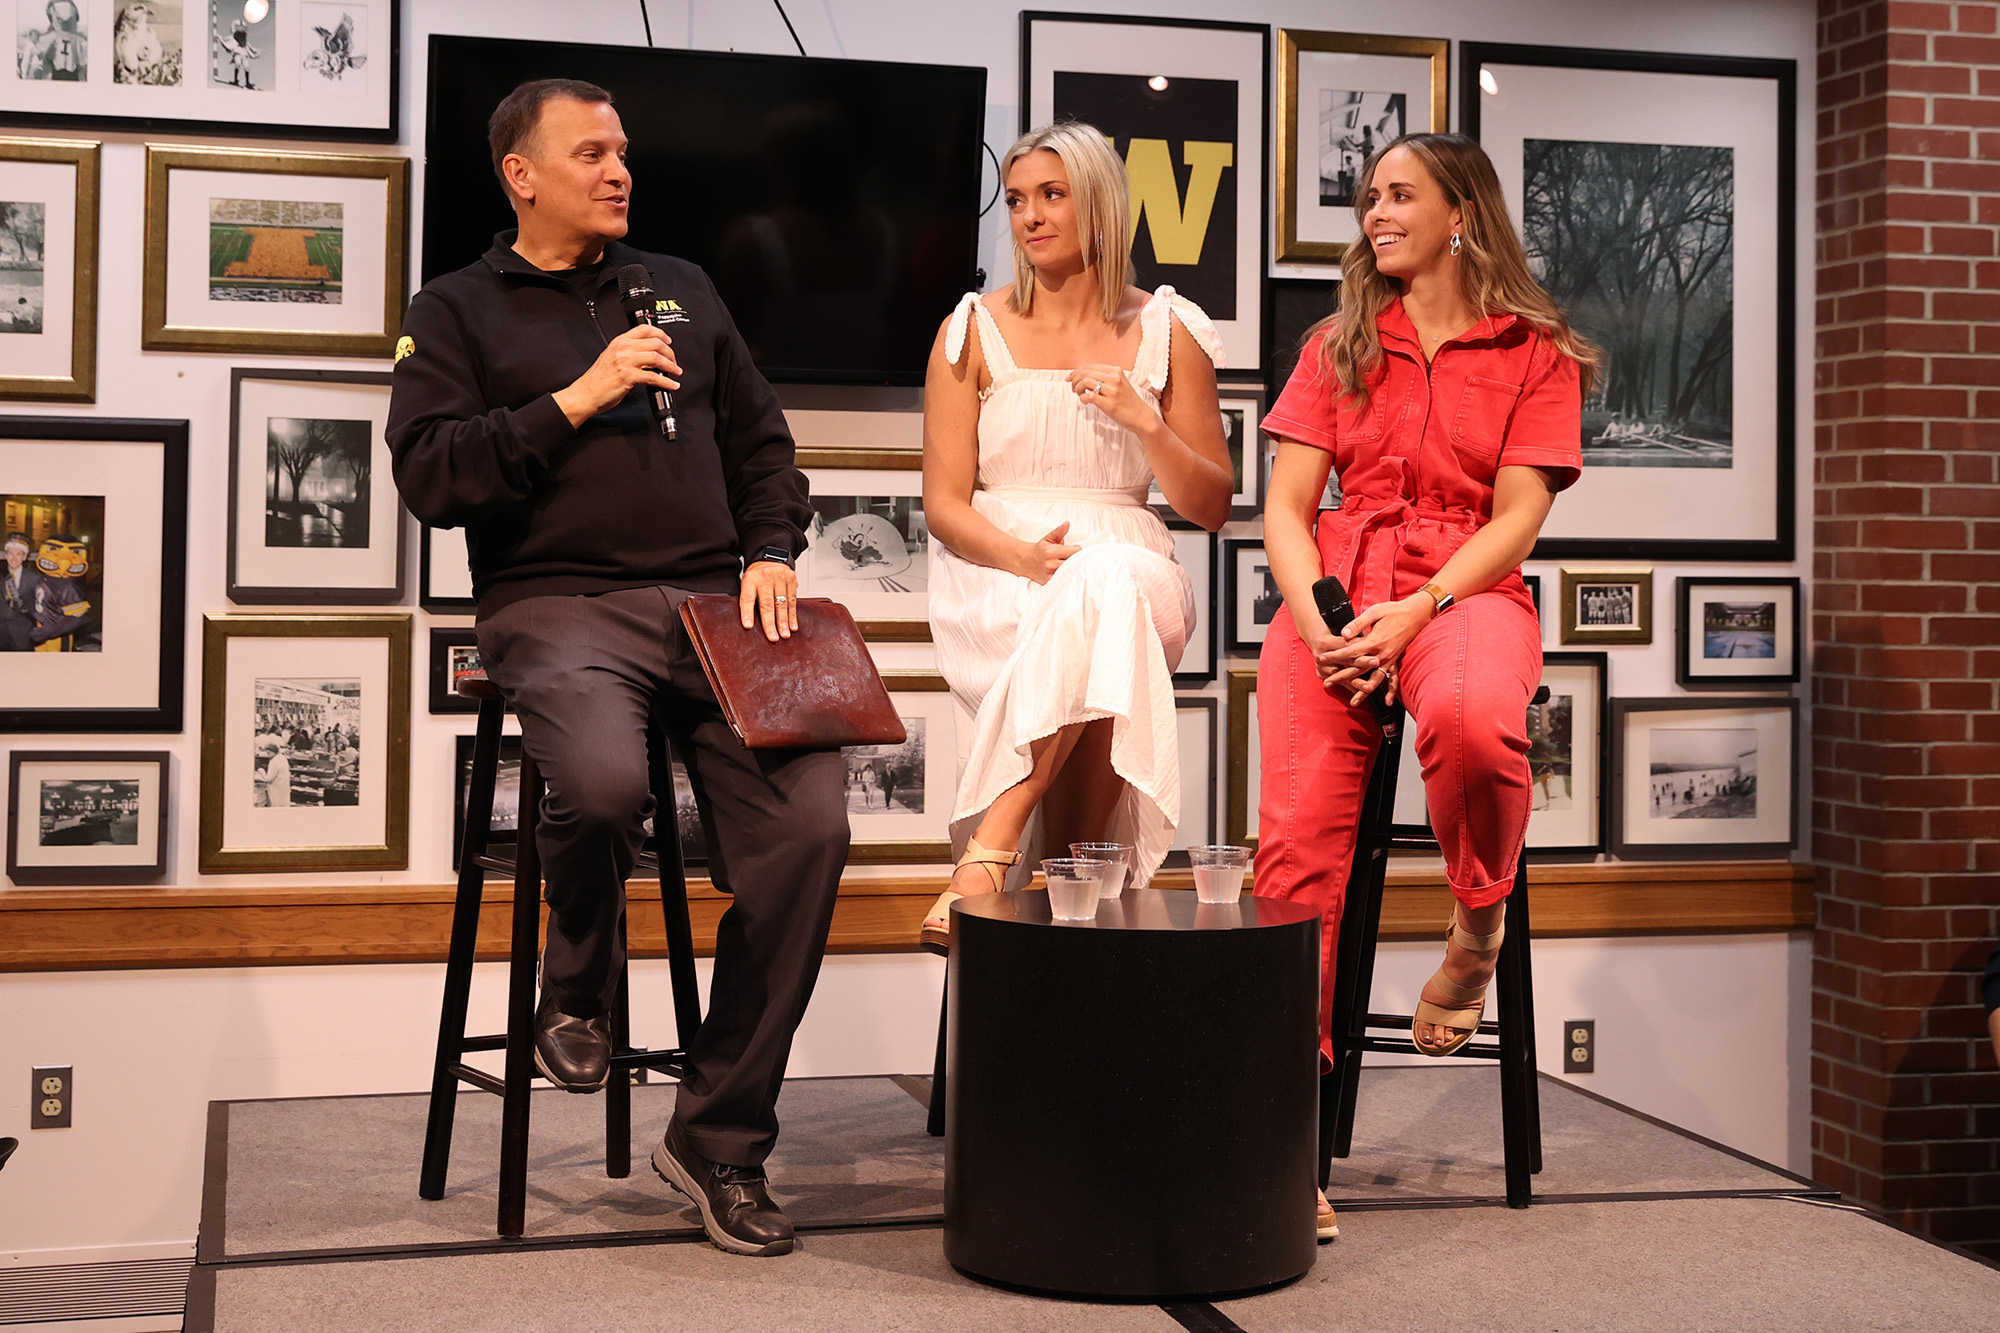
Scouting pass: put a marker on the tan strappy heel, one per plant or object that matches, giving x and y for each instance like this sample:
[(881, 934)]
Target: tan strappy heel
[(1326, 1226), (937, 939), (1471, 1000)]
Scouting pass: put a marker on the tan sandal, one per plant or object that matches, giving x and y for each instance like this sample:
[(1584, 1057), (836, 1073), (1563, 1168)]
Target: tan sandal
[(1471, 1000), (1326, 1226), (937, 939)]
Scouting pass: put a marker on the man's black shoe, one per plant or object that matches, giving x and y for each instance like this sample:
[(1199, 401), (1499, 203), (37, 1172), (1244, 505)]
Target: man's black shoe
[(572, 1053), (736, 1209)]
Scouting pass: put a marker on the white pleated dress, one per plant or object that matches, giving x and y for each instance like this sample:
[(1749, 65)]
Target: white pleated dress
[(1102, 637)]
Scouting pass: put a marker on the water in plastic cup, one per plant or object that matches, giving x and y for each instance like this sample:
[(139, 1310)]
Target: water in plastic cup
[(1117, 857), (1073, 883), (1218, 872)]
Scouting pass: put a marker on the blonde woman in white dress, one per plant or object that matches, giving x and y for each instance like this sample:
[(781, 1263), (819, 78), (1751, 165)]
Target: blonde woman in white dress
[(1058, 611)]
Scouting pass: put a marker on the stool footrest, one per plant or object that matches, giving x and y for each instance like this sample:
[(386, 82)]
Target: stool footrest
[(479, 1078), (1393, 1046), (493, 861), (483, 1044)]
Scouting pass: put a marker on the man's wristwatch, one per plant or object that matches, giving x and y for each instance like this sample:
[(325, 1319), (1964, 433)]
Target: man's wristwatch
[(1441, 597), (777, 553)]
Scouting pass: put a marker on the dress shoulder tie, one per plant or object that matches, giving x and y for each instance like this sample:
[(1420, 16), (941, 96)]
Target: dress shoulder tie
[(1156, 335)]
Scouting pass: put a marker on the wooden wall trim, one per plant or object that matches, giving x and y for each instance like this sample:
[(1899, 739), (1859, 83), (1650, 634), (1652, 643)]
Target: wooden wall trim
[(74, 929)]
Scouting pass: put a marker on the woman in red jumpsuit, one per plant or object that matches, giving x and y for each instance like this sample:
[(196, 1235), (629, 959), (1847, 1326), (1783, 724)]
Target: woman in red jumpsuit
[(1447, 391)]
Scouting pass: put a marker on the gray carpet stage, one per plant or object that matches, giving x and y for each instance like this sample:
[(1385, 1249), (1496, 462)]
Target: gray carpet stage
[(310, 1219)]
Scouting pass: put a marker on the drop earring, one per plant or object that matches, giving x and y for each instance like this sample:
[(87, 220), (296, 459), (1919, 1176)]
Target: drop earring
[(1454, 244)]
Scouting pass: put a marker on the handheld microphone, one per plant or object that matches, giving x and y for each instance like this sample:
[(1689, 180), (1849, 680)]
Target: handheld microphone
[(635, 294), (1337, 610)]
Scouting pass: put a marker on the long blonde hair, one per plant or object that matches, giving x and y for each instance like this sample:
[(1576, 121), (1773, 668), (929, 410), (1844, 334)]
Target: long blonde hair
[(1102, 199), (1493, 267)]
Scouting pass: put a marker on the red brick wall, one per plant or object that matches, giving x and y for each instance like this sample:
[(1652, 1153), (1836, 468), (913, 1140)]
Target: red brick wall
[(1906, 610)]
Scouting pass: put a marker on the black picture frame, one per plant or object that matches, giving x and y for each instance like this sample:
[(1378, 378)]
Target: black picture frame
[(1627, 846), (1781, 545), (444, 698), (1247, 136), (1236, 638), (429, 600), (244, 593), (1533, 583), (694, 850), (157, 124), (1206, 638), (1209, 833), (1291, 307), (1600, 752), (169, 559), (77, 871), (1784, 628)]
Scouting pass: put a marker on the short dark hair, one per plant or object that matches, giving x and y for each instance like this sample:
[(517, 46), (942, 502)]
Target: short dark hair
[(521, 110)]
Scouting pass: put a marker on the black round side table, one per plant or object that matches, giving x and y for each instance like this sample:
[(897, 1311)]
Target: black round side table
[(1131, 1103)]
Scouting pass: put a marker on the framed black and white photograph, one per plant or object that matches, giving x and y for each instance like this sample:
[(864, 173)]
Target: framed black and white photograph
[(1187, 104), (1567, 752), (87, 816), (275, 253), (1655, 195), (93, 519), (867, 544), (444, 571), (1606, 606), (1704, 778), (313, 511), (1199, 553), (1533, 583), (1199, 735), (1736, 633), (320, 69), (1253, 597), (1243, 760), (505, 829), (48, 270), (305, 747), (899, 796), (1292, 306), (454, 652), (1341, 96)]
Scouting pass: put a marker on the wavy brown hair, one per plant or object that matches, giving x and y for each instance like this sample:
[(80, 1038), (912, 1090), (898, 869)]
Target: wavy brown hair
[(1493, 268)]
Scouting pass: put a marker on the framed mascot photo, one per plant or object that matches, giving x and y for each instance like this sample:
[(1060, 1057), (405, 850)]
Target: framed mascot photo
[(1187, 104)]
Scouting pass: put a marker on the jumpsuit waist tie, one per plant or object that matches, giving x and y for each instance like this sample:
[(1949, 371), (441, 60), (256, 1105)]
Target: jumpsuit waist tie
[(1370, 581)]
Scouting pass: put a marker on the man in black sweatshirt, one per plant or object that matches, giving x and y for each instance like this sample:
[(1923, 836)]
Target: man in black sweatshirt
[(522, 411)]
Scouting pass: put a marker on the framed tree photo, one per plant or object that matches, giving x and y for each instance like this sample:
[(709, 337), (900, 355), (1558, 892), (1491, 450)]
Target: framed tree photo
[(1655, 195), (87, 816), (313, 511), (868, 546), (1187, 104), (1341, 96), (48, 270), (93, 593), (1736, 633), (275, 253), (305, 744), (317, 69), (1704, 778)]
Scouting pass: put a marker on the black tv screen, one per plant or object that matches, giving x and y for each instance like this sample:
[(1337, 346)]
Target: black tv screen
[(834, 202)]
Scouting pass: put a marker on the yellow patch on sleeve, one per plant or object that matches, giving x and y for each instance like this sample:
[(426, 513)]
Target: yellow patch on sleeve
[(405, 346)]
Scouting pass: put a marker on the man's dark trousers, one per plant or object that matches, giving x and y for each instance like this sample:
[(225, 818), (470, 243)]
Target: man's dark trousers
[(588, 674)]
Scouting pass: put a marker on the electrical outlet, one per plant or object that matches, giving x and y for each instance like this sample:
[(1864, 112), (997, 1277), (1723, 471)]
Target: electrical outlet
[(1580, 1046), (50, 1096)]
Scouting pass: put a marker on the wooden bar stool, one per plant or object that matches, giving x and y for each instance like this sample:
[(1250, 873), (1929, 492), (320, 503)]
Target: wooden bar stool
[(1356, 1030), (525, 867)]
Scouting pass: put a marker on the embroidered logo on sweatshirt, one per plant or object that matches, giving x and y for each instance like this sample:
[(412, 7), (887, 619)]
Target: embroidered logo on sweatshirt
[(668, 312)]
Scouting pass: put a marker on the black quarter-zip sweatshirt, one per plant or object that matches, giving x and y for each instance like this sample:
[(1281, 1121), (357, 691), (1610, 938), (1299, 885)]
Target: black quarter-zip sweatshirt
[(479, 442)]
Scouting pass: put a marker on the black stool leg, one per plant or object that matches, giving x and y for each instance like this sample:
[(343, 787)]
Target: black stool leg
[(934, 1123), (522, 959), (464, 945), (1516, 1077), (1518, 911), (618, 1088), (1355, 970)]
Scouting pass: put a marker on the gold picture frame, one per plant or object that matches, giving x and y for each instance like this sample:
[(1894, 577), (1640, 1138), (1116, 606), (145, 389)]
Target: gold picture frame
[(77, 380), (1606, 605), (1371, 49), (265, 681), (294, 274), (905, 624), (1243, 760)]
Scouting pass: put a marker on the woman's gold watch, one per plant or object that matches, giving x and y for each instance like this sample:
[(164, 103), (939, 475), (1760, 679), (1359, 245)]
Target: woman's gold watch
[(1441, 597)]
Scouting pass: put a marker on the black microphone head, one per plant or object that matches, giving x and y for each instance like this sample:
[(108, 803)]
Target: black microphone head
[(1332, 600), (635, 290)]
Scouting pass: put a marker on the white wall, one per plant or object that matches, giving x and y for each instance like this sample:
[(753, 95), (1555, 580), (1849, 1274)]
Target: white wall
[(1707, 1032)]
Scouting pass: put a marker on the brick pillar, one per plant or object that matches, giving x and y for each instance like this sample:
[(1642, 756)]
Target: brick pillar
[(1906, 611)]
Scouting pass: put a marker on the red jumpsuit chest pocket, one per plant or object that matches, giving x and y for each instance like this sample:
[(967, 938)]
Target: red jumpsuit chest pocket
[(1480, 424)]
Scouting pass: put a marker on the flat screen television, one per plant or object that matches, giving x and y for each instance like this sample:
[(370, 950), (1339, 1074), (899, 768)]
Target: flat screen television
[(835, 203)]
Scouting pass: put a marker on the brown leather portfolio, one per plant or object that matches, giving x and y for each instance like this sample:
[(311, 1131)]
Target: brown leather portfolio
[(816, 690)]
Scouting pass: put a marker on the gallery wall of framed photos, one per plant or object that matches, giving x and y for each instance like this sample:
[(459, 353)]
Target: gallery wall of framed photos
[(269, 357)]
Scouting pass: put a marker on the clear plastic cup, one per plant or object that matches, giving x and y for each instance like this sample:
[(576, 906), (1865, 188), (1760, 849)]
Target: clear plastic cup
[(1073, 883), (1218, 872), (1117, 857)]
